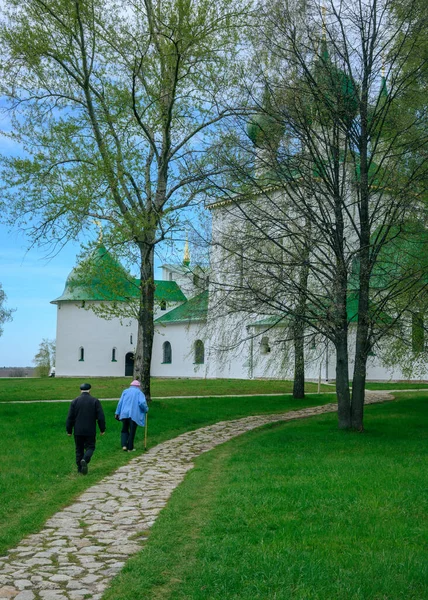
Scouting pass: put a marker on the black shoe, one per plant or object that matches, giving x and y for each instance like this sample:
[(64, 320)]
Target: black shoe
[(83, 467)]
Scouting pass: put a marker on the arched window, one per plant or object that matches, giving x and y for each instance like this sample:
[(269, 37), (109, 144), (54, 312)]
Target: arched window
[(81, 353), (113, 355), (199, 352), (130, 339), (264, 345), (163, 305), (167, 353)]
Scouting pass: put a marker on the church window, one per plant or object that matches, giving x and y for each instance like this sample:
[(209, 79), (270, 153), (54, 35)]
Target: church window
[(113, 355), (417, 332), (167, 353), (199, 352), (130, 339), (264, 345), (81, 353), (163, 305)]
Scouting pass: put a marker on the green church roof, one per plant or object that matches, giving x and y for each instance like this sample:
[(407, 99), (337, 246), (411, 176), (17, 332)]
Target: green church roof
[(193, 310), (100, 277)]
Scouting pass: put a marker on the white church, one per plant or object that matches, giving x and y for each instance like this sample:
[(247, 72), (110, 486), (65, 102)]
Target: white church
[(192, 339)]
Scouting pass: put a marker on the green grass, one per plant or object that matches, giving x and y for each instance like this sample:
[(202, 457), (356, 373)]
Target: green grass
[(66, 388), (401, 385), (297, 511), (37, 475)]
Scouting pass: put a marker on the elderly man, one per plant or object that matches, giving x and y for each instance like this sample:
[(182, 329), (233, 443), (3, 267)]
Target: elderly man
[(131, 411), (84, 413)]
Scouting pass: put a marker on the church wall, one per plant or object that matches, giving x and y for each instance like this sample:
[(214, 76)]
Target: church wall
[(182, 339), (79, 328), (190, 280)]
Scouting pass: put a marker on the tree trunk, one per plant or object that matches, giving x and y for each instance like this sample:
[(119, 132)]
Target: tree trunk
[(299, 324), (362, 340), (299, 360), (342, 382), (358, 387), (143, 354), (361, 345)]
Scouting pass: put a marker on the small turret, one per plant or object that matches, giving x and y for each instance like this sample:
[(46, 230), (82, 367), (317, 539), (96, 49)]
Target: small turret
[(186, 253)]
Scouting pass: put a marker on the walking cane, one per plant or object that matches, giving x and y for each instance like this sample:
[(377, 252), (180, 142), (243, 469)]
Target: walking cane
[(145, 432)]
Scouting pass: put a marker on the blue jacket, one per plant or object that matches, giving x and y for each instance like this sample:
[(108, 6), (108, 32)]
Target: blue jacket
[(132, 404)]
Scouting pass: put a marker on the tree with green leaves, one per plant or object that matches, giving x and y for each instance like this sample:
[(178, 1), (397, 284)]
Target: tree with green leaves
[(5, 313), (117, 107), (45, 358)]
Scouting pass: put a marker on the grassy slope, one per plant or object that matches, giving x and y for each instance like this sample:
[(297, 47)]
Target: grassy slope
[(66, 388), (37, 475), (297, 510)]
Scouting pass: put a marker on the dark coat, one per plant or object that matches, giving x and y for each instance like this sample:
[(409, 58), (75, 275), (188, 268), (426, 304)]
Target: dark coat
[(84, 412)]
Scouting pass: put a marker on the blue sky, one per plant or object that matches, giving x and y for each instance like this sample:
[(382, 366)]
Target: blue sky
[(30, 281)]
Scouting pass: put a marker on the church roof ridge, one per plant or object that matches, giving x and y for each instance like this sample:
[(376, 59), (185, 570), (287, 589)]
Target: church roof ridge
[(192, 310)]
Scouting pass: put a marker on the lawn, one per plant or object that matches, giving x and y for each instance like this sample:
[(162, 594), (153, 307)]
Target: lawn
[(37, 475), (297, 511), (401, 385), (66, 388)]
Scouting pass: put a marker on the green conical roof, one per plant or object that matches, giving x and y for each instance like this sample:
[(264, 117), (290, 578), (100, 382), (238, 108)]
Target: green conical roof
[(383, 88), (101, 277), (98, 277), (263, 129), (335, 87)]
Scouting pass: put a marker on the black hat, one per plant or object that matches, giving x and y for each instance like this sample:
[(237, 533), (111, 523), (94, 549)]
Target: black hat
[(85, 387)]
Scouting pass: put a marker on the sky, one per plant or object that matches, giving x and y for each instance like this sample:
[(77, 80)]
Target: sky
[(30, 281)]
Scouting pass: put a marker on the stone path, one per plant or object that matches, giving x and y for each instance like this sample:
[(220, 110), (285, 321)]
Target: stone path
[(82, 547)]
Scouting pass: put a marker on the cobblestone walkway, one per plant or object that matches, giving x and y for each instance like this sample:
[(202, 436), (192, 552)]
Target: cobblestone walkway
[(82, 547)]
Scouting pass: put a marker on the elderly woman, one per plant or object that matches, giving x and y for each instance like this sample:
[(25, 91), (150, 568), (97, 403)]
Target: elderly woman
[(131, 411)]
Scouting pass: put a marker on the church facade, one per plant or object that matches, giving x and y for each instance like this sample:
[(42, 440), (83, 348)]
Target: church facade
[(192, 338)]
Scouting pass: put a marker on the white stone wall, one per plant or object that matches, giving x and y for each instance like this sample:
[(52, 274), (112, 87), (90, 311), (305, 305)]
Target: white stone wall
[(182, 339), (78, 327)]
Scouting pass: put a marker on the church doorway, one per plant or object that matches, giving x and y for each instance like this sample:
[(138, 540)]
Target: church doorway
[(129, 364)]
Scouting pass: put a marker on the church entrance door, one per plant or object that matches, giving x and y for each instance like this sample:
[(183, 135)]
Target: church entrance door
[(129, 364)]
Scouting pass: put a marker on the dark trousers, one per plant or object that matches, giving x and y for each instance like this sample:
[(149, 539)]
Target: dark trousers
[(85, 447), (127, 435)]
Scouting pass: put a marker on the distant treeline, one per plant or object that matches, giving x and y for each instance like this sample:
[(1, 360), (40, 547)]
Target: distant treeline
[(16, 371)]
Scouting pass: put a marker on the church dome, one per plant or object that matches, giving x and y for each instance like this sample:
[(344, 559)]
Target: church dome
[(98, 277), (261, 129), (336, 88)]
